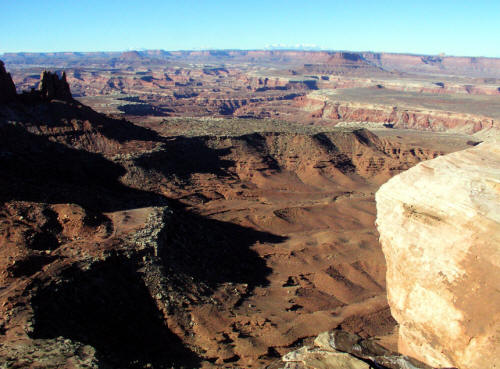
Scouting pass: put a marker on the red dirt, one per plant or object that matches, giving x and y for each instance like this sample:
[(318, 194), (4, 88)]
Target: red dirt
[(143, 248)]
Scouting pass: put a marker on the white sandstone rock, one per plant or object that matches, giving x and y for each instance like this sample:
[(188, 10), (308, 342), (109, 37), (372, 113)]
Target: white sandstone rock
[(439, 225)]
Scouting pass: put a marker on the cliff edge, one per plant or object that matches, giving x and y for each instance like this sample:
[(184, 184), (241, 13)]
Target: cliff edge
[(439, 225), (7, 87)]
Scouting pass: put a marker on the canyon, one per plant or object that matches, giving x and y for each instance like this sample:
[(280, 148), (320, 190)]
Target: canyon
[(435, 93), (214, 208)]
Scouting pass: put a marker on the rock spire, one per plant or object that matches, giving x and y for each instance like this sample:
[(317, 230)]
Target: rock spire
[(7, 87), (52, 87)]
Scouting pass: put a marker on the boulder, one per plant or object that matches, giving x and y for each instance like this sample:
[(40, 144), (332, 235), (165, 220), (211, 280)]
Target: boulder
[(439, 225), (317, 358), (343, 350)]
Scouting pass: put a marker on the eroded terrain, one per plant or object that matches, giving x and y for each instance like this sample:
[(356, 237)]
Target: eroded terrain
[(202, 236), (434, 93)]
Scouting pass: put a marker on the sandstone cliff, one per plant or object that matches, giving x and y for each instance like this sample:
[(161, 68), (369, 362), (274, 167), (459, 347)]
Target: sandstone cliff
[(439, 226)]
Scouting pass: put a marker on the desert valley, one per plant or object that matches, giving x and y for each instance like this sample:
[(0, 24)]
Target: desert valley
[(203, 209)]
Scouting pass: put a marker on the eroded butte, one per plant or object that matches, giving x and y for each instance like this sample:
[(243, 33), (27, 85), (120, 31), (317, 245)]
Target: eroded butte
[(222, 213)]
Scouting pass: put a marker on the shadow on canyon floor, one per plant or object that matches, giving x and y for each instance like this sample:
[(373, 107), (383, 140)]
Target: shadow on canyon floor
[(214, 251), (108, 306), (37, 169), (59, 114), (184, 156)]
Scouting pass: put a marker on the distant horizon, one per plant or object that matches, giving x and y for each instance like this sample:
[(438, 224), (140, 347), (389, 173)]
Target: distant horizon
[(426, 27), (255, 49)]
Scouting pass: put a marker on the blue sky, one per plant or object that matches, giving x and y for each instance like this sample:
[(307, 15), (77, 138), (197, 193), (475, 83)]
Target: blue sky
[(460, 27)]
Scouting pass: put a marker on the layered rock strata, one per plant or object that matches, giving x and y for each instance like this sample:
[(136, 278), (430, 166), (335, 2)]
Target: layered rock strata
[(439, 225), (397, 117)]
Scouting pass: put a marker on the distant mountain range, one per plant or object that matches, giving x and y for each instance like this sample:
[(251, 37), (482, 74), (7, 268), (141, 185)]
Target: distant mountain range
[(402, 63)]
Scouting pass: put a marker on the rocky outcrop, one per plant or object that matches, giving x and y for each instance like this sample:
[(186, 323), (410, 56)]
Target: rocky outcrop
[(439, 225), (52, 87), (341, 349), (398, 117), (7, 87), (50, 353)]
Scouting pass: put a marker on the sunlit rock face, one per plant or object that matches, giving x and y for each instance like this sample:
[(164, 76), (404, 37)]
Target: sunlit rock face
[(439, 225)]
